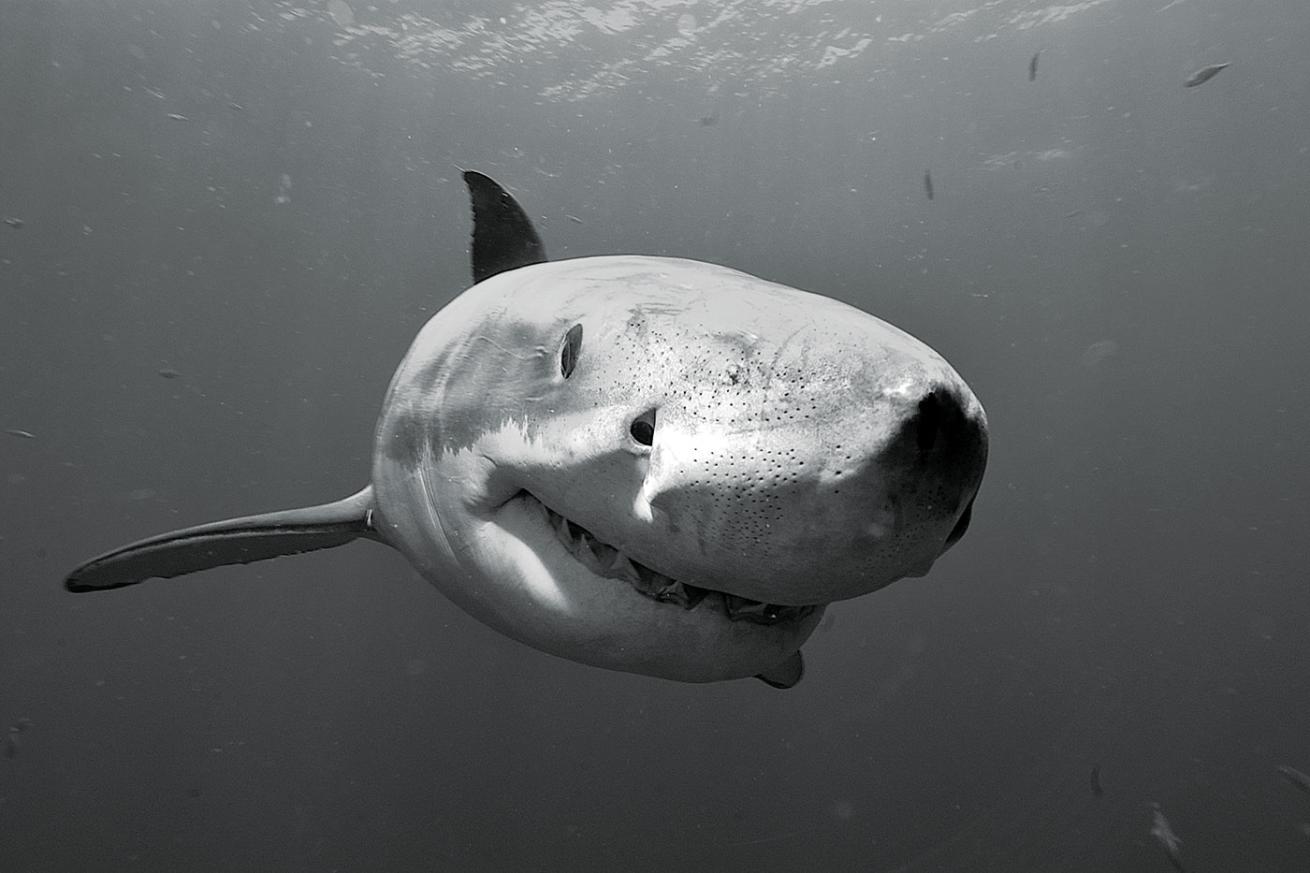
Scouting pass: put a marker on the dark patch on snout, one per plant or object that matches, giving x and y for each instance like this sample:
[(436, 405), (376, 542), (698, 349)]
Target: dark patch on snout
[(938, 410), (948, 443)]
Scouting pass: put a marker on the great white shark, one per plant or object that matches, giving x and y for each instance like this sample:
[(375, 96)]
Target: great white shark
[(648, 464)]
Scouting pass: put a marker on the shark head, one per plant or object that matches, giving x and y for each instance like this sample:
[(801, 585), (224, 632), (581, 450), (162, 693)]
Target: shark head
[(666, 466), (653, 465)]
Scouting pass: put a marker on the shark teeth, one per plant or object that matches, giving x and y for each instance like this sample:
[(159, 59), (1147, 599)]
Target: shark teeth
[(605, 560)]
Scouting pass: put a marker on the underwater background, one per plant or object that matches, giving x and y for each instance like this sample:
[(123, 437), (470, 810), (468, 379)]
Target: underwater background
[(225, 222)]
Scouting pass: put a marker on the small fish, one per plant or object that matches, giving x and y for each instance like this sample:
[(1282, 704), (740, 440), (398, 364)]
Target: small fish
[(15, 223), (1203, 75), (1296, 777), (927, 183), (169, 373), (235, 106), (1074, 213), (176, 117), (21, 434), (1032, 67), (1167, 838), (1095, 779), (709, 120), (573, 218)]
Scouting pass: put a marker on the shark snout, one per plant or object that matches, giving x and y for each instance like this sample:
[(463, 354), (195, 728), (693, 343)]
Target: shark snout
[(947, 434), (933, 465), (799, 514), (937, 453)]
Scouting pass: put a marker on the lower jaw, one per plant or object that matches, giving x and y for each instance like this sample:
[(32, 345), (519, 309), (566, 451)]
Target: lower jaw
[(506, 568), (503, 564)]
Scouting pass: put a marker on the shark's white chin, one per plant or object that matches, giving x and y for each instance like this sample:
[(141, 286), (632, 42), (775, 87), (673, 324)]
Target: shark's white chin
[(599, 616)]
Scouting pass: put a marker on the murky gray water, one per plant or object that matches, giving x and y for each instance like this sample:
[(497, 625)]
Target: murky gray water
[(224, 223)]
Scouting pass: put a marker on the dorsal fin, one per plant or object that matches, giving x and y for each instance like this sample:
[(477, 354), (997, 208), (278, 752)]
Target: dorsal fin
[(235, 541), (503, 237)]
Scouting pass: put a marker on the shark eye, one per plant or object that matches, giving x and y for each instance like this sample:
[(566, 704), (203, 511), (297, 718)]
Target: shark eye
[(569, 351), (642, 428)]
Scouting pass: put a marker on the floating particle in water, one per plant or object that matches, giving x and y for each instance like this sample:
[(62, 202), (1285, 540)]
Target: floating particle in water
[(283, 189), (341, 13), (1295, 777), (1165, 836), (1098, 352), (1203, 75), (11, 737)]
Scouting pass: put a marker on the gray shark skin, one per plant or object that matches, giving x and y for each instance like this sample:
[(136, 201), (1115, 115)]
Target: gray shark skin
[(646, 464)]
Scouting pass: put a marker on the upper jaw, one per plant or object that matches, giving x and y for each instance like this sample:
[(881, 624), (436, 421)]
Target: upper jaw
[(601, 559), (605, 560), (663, 563)]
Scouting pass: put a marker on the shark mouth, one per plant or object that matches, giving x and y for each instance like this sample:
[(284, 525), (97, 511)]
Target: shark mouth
[(604, 560)]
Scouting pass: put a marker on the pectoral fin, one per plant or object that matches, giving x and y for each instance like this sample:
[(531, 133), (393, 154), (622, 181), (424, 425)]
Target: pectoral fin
[(786, 674), (234, 541)]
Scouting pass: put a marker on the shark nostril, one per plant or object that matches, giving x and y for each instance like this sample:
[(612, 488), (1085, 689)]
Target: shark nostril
[(642, 428)]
